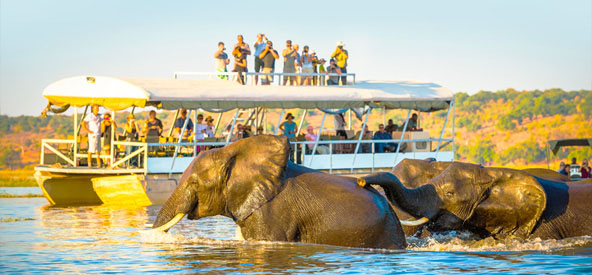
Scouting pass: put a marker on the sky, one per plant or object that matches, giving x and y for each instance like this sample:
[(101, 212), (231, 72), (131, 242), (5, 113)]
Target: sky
[(466, 46)]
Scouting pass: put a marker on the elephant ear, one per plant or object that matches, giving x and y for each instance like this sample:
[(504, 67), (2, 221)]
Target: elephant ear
[(513, 205), (255, 173)]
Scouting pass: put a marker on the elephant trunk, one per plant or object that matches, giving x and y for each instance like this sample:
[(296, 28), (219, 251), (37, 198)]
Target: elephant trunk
[(421, 202), (181, 202)]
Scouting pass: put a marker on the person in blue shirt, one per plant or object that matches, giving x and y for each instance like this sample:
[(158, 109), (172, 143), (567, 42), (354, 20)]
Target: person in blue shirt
[(179, 125), (289, 126), (381, 134)]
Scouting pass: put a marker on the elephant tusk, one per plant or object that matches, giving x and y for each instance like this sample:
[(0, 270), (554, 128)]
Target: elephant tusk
[(361, 182), (414, 222), (170, 224)]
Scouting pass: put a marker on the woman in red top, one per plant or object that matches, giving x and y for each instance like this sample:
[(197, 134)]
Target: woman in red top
[(585, 169)]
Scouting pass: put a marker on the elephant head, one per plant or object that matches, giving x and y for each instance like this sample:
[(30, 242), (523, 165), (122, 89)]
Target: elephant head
[(233, 181), (489, 201)]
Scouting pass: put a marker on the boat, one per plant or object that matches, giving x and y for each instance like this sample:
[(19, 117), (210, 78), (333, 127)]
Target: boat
[(64, 181), (554, 145)]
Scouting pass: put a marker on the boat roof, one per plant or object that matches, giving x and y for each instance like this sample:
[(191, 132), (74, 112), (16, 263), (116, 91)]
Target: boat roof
[(555, 144), (216, 94)]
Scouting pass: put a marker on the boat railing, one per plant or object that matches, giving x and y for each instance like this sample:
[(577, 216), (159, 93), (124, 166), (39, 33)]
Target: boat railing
[(321, 78), (65, 154)]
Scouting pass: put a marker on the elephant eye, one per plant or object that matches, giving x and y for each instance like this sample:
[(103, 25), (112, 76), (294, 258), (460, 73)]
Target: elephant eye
[(449, 193)]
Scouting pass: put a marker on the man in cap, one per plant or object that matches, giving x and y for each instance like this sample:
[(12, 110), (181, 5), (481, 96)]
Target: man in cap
[(341, 55)]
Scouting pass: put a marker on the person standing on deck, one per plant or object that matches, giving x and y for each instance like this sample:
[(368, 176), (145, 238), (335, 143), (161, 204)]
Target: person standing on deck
[(152, 127), (180, 122), (339, 123), (259, 47), (289, 126), (341, 55), (290, 56), (92, 126), (221, 60), (106, 126), (269, 55), (306, 61), (240, 64)]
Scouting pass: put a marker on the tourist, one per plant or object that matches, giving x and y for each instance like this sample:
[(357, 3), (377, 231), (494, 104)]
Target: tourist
[(306, 61), (248, 131), (585, 170), (289, 126), (381, 134), (240, 64), (561, 167), (201, 129), (390, 127), (290, 56), (108, 126), (210, 127), (574, 160), (269, 55), (239, 133), (221, 60), (322, 70), (315, 63), (412, 125), (565, 170), (245, 50), (310, 136), (297, 64), (259, 131), (152, 128), (367, 135), (131, 135), (333, 69), (340, 55), (179, 125), (259, 47), (339, 123), (92, 126)]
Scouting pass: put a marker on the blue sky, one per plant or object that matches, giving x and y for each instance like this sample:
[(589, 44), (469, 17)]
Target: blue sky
[(464, 45)]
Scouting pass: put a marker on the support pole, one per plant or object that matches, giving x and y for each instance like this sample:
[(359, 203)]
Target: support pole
[(349, 121), (232, 126), (301, 121), (217, 123), (174, 119), (194, 134), (314, 149), (177, 146), (75, 149), (442, 133), (112, 146), (277, 127), (402, 137), (453, 135), (359, 139)]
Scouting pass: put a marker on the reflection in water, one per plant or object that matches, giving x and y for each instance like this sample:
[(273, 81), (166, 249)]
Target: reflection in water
[(98, 239)]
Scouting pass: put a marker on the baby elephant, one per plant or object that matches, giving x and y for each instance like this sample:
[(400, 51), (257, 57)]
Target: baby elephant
[(272, 199)]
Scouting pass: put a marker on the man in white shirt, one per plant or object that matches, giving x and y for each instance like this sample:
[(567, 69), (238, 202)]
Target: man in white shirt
[(92, 126)]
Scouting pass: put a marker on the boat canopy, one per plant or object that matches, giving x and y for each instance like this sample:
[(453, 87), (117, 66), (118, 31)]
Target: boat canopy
[(215, 94), (554, 145)]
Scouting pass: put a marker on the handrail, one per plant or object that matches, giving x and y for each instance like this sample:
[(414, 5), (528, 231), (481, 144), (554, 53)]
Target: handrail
[(236, 74)]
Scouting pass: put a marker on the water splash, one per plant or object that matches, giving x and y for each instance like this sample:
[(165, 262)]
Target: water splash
[(465, 241)]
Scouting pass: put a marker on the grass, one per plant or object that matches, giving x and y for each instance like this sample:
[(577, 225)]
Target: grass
[(17, 178), (21, 196), (11, 219)]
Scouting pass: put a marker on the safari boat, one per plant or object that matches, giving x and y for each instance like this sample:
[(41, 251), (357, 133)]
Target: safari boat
[(66, 180)]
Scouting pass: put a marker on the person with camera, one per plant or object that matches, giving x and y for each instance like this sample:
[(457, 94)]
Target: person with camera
[(341, 55), (306, 61), (221, 60), (246, 50), (290, 56), (240, 64), (106, 133), (259, 47), (269, 55), (333, 69), (315, 63)]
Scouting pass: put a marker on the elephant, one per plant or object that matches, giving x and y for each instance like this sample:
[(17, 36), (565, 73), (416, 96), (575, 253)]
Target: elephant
[(272, 199), (498, 202)]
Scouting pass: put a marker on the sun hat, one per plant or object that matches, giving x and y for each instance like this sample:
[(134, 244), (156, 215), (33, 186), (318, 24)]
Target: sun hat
[(340, 43), (309, 128)]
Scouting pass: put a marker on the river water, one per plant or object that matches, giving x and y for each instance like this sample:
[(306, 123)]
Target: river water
[(37, 238)]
